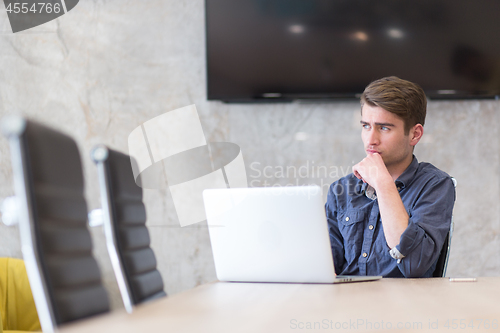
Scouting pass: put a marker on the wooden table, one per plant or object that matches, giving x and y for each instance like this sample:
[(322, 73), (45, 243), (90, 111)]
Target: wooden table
[(413, 305)]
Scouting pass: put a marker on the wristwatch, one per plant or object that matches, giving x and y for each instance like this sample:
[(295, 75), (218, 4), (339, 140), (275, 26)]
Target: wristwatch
[(394, 252)]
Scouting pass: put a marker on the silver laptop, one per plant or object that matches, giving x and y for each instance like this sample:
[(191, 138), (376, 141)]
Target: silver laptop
[(271, 234)]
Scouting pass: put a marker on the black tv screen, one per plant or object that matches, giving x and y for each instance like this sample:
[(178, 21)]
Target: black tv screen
[(283, 50)]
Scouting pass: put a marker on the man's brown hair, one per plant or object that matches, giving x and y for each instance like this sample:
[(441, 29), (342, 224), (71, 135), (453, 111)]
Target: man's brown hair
[(403, 98)]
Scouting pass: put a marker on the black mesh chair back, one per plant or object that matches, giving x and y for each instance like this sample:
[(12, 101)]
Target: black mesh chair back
[(127, 236), (442, 262), (56, 244)]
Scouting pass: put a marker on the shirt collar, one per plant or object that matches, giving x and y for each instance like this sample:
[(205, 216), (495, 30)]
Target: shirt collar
[(405, 178)]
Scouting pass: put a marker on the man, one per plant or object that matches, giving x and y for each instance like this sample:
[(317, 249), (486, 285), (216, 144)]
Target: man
[(390, 217)]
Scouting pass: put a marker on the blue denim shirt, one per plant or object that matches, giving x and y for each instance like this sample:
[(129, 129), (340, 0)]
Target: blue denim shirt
[(356, 232)]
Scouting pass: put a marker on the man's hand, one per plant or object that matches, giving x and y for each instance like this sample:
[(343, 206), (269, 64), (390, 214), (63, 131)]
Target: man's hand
[(372, 170)]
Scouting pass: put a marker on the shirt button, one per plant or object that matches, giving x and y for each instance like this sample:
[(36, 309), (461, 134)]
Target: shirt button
[(399, 188), (365, 255), (370, 227), (347, 219)]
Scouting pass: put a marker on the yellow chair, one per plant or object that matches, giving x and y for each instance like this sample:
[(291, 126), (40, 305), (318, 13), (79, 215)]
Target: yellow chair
[(17, 307)]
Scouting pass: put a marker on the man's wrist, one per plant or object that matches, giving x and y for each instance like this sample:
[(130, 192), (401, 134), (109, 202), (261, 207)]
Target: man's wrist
[(394, 252), (384, 183)]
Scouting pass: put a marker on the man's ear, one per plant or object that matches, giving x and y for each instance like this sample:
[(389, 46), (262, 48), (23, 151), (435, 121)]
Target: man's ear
[(416, 134)]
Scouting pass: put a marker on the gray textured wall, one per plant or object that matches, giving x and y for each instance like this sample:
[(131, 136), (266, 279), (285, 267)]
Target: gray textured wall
[(107, 66)]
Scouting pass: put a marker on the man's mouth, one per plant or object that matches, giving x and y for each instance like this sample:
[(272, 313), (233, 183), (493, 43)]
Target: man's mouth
[(371, 151)]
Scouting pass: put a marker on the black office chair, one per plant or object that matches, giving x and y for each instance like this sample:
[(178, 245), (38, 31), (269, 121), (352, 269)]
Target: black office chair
[(442, 262), (56, 245), (127, 236)]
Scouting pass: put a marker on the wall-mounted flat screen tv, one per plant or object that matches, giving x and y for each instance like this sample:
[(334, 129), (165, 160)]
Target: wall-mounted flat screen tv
[(284, 50)]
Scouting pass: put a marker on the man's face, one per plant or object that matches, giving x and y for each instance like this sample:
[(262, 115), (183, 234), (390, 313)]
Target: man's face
[(383, 133)]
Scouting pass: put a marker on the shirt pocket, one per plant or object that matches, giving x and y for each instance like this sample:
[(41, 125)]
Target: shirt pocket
[(351, 226), (351, 217)]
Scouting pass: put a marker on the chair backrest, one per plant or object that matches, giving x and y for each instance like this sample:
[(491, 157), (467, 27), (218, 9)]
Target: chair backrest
[(56, 244), (442, 262), (127, 236)]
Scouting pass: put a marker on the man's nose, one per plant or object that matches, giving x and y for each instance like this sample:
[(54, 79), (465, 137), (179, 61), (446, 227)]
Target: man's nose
[(373, 138)]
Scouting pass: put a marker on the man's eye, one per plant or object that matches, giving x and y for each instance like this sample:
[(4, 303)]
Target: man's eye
[(366, 126), (383, 128)]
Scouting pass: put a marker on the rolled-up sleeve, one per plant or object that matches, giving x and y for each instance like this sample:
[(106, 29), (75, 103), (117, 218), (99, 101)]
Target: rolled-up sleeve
[(428, 225)]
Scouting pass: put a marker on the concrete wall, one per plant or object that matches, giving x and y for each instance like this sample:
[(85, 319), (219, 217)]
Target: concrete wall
[(108, 66)]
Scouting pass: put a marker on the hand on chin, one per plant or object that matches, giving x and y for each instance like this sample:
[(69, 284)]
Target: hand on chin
[(371, 169)]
